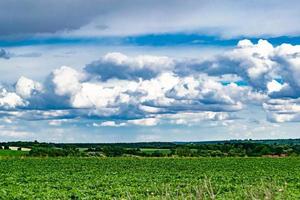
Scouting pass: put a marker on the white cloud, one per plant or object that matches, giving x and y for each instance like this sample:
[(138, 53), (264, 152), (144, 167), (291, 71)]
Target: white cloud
[(57, 122), (259, 65), (144, 122), (26, 87), (274, 86), (190, 118), (143, 66), (109, 124), (252, 62), (283, 110), (10, 100), (66, 80), (250, 74)]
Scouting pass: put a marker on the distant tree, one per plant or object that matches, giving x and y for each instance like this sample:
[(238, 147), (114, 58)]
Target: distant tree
[(278, 150), (6, 147), (98, 148), (237, 152), (90, 150), (157, 153), (203, 153), (54, 152), (265, 151), (113, 151), (296, 149), (133, 151), (173, 151), (216, 153), (19, 149), (183, 151)]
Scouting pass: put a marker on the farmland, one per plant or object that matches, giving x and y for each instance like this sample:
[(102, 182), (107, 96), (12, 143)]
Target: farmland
[(150, 178)]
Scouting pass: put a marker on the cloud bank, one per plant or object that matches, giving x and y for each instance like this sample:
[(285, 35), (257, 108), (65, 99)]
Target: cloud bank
[(149, 90), (228, 18)]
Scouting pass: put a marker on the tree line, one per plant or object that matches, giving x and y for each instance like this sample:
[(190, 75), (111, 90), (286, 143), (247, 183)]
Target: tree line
[(226, 149)]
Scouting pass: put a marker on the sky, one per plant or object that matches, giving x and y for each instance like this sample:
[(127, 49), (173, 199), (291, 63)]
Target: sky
[(150, 70)]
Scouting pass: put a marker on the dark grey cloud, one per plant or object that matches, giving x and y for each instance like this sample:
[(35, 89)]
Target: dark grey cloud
[(117, 65), (4, 54), (7, 54), (228, 18), (21, 18), (106, 70), (28, 55)]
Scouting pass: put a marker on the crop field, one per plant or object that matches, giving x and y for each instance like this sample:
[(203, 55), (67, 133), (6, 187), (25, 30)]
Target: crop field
[(150, 178)]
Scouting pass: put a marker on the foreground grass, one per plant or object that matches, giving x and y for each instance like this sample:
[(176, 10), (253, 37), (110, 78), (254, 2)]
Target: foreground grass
[(150, 178)]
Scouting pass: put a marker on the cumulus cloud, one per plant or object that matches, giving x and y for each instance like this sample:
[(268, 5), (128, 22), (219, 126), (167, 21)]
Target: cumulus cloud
[(25, 87), (145, 67), (10, 100), (258, 64), (274, 86), (137, 102), (145, 90), (139, 98), (283, 110), (66, 80), (270, 71), (252, 62)]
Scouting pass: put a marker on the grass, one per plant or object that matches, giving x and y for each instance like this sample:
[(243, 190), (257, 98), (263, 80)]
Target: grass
[(12, 153), (150, 178)]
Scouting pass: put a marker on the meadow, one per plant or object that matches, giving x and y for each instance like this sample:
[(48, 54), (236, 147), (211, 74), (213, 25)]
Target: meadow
[(150, 178), (12, 153)]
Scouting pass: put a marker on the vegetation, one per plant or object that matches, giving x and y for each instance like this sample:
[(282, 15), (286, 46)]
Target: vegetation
[(10, 153), (222, 149), (54, 152), (241, 170), (150, 178)]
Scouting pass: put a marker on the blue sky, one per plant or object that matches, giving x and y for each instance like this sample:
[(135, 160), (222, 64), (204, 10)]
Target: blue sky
[(105, 71)]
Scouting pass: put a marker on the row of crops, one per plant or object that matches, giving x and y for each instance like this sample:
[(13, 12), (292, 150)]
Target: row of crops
[(150, 178)]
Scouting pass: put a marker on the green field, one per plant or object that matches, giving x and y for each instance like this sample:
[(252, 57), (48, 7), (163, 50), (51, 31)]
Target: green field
[(150, 178), (12, 153)]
